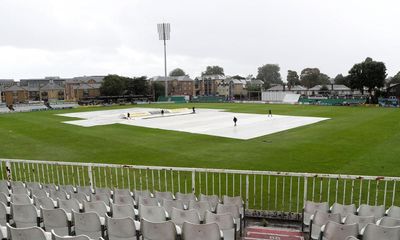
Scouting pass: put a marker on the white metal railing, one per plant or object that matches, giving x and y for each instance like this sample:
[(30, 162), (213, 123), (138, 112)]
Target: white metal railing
[(261, 190)]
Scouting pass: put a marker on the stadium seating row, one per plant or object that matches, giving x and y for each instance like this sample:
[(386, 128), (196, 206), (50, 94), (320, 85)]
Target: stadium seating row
[(68, 211), (341, 221)]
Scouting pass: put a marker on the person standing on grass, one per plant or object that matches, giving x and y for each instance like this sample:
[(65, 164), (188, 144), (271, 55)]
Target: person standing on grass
[(234, 121), (162, 112), (269, 113)]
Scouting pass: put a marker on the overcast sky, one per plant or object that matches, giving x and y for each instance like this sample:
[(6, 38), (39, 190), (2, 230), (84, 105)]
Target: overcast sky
[(69, 38)]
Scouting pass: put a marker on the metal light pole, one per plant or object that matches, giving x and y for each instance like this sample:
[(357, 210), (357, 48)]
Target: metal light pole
[(163, 34)]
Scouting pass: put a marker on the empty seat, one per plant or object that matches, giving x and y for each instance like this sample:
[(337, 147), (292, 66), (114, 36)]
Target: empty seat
[(201, 207), (163, 195), (106, 191), (58, 194), (39, 193), (209, 231), (351, 238), (19, 190), (33, 185), (152, 213), (80, 237), (35, 233), (101, 197), (337, 231), (375, 232), (234, 211), (67, 188), (122, 228), (49, 187), (388, 222), (186, 198), (14, 184), (81, 197), (3, 198), (169, 204), (158, 230), (180, 216), (69, 205), (122, 192), (143, 193), (88, 224), (319, 219), (225, 222), (310, 208), (98, 207), (237, 200), (393, 212), (24, 215), (123, 211), (3, 214), (20, 199), (57, 220), (360, 220), (84, 189), (4, 188), (212, 199), (124, 199), (343, 210), (368, 210), (44, 202), (147, 201)]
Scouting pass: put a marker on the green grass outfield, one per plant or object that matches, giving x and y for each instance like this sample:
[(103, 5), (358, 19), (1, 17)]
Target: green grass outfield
[(357, 140)]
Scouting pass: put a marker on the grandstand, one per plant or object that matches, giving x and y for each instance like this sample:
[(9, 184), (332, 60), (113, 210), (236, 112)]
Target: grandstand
[(44, 200), (332, 101)]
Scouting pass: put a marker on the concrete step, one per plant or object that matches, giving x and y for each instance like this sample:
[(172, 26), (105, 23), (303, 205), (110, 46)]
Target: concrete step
[(256, 232)]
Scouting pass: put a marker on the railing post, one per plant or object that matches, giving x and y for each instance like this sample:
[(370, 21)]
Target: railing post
[(8, 170), (90, 174), (247, 191), (193, 181), (305, 191)]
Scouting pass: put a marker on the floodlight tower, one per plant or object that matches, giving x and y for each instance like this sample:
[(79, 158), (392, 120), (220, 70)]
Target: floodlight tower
[(163, 34)]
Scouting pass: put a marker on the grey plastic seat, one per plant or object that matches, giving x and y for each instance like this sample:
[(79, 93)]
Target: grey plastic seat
[(388, 222), (4, 188), (39, 193), (101, 197), (67, 188), (368, 210), (237, 200), (143, 193), (28, 233), (20, 199), (360, 220), (165, 230), (58, 194), (337, 231), (106, 191), (310, 208), (169, 204), (201, 207), (68, 205), (186, 198), (180, 216), (124, 199), (319, 219), (147, 201), (212, 199), (351, 238), (394, 212), (3, 198), (81, 197), (3, 214), (343, 210), (209, 231), (19, 190), (84, 189), (80, 237), (225, 222), (57, 220), (14, 184), (98, 207), (234, 211), (88, 224), (152, 213), (122, 192), (123, 211), (375, 232), (122, 228), (24, 215), (163, 195), (44, 202), (49, 187), (33, 185)]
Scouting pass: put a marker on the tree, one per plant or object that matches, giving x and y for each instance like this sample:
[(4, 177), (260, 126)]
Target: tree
[(137, 86), (395, 78), (158, 90), (113, 85), (238, 77), (370, 74), (343, 80), (292, 78), (177, 72), (310, 77), (269, 73), (213, 70)]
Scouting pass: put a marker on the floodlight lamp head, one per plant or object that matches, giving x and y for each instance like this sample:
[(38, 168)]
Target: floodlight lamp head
[(164, 30)]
